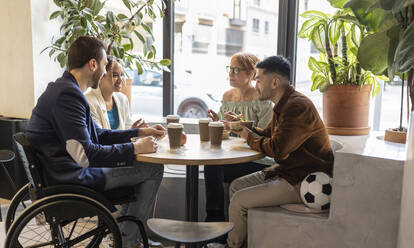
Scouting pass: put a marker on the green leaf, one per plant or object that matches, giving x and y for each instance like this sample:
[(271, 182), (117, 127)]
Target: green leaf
[(122, 17), (165, 62), (355, 35), (400, 5), (337, 3), (373, 52), (307, 27), (127, 47), (127, 4), (62, 59), (335, 31), (52, 51), (150, 55), (367, 15), (404, 55), (55, 14), (312, 14), (140, 37), (148, 29), (139, 68), (386, 4), (313, 65), (318, 38), (318, 80), (83, 22)]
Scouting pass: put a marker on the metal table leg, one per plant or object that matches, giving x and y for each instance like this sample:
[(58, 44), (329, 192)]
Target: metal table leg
[(191, 196)]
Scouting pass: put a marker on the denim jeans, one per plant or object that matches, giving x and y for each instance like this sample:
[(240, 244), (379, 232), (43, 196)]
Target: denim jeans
[(214, 177), (146, 179)]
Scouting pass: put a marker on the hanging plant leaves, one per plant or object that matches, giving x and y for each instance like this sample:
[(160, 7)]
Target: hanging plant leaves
[(404, 55), (373, 52), (400, 5), (337, 3), (367, 14)]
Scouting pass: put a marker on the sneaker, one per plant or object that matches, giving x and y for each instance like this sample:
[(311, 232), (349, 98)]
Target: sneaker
[(216, 245), (152, 243)]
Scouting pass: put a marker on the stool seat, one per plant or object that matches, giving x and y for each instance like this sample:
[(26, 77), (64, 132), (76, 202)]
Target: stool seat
[(188, 232), (6, 156)]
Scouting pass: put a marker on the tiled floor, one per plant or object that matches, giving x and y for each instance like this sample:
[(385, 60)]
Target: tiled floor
[(3, 205)]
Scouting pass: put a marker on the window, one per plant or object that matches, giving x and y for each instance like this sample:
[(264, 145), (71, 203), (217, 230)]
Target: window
[(256, 2), (266, 29), (237, 9), (305, 49), (256, 25), (204, 51)]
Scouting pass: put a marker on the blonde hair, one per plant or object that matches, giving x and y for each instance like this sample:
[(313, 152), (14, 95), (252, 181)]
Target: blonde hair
[(247, 61)]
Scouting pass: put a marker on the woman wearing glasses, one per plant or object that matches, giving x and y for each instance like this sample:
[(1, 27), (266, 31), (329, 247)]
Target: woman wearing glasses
[(241, 99), (109, 107)]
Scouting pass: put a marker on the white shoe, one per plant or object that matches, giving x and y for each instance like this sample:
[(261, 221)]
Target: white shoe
[(216, 245)]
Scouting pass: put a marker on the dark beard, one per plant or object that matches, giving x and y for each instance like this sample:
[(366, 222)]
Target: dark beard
[(96, 79)]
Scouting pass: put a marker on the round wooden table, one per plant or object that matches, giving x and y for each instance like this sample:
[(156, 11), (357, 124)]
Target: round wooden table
[(194, 153)]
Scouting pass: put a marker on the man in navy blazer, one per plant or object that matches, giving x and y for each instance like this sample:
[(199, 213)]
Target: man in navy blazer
[(73, 150)]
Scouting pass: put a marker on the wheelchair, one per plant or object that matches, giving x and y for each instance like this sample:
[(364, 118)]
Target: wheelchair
[(63, 215)]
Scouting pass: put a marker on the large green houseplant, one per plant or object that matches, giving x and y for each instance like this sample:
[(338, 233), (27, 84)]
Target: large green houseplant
[(390, 48), (122, 32), (337, 72)]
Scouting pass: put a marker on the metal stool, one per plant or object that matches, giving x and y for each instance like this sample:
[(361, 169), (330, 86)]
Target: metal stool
[(192, 234), (8, 183)]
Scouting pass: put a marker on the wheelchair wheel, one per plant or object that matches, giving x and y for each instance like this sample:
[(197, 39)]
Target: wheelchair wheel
[(64, 220), (20, 201)]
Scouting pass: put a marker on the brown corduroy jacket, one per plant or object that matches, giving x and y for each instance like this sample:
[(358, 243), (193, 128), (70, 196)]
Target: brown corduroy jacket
[(296, 138)]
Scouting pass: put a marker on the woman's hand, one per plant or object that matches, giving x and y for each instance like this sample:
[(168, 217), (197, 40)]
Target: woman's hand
[(231, 116), (213, 115), (157, 131), (140, 123)]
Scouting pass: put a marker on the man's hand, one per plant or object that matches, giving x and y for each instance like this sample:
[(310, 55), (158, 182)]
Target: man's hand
[(145, 145), (243, 134), (230, 116), (157, 131), (140, 123), (213, 115)]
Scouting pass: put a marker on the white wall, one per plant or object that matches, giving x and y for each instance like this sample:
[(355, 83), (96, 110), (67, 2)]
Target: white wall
[(45, 69), (16, 63)]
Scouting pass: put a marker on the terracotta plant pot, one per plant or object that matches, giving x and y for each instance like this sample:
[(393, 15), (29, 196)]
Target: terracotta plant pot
[(346, 109)]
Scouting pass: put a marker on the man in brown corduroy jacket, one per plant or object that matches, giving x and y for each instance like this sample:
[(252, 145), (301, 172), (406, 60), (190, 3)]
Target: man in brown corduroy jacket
[(296, 138)]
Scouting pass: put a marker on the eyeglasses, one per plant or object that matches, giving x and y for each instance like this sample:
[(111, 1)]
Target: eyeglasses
[(235, 70)]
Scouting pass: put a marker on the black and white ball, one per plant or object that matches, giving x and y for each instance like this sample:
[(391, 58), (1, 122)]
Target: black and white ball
[(315, 190)]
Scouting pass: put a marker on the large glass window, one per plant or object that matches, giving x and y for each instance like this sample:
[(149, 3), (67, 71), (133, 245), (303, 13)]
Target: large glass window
[(305, 49), (207, 34)]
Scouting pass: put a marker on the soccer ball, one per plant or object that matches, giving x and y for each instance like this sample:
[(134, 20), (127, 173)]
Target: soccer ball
[(315, 190)]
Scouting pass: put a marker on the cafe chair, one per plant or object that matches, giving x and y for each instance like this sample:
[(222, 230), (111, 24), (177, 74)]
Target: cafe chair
[(7, 185), (64, 215)]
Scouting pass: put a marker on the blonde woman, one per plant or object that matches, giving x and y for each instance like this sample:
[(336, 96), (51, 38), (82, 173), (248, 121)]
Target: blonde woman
[(241, 99)]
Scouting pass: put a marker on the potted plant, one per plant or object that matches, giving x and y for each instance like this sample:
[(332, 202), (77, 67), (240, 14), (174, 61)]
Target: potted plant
[(337, 73), (389, 50), (124, 33)]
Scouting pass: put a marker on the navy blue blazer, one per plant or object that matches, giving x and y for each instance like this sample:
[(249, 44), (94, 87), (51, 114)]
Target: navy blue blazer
[(72, 149)]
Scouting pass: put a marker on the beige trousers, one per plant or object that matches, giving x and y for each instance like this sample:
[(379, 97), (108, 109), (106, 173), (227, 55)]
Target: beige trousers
[(254, 191)]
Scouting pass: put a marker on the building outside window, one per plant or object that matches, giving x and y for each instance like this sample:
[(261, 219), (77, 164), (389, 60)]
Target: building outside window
[(256, 25), (266, 27)]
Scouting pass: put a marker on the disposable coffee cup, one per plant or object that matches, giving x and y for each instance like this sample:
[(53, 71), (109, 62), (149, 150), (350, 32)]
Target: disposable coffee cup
[(174, 134), (172, 119), (216, 133), (204, 129)]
